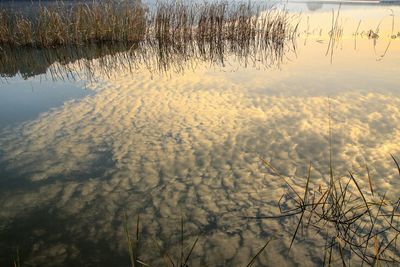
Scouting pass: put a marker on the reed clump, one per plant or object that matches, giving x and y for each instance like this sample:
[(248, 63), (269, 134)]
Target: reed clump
[(102, 21), (358, 226), (171, 36), (209, 30), (174, 25)]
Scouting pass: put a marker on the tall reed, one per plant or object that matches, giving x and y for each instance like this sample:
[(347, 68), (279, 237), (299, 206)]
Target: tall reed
[(100, 21), (170, 36), (173, 24)]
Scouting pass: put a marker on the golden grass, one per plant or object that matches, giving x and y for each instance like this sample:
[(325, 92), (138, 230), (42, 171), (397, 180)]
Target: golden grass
[(61, 25), (169, 37), (173, 24)]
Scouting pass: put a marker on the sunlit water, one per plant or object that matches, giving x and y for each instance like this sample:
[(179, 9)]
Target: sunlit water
[(74, 156)]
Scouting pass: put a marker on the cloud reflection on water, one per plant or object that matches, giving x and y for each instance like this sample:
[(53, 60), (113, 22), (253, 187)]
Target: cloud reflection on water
[(190, 142), (155, 145)]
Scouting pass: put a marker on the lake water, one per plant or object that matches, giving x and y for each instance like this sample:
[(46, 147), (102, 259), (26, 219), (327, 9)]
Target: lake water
[(185, 142)]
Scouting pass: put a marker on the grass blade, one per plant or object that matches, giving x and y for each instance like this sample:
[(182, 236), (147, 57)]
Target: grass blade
[(190, 252), (397, 163), (258, 253)]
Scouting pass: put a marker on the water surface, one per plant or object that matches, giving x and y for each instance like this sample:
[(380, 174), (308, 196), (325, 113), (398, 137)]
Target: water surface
[(187, 142)]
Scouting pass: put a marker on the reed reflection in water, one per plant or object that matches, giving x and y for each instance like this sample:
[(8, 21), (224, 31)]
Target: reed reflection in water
[(176, 36), (189, 144)]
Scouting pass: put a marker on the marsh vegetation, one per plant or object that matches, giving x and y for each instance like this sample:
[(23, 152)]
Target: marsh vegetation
[(107, 21), (173, 23), (162, 38), (354, 225), (144, 146)]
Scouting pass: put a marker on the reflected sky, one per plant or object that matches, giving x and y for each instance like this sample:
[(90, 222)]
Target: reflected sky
[(23, 100), (189, 143)]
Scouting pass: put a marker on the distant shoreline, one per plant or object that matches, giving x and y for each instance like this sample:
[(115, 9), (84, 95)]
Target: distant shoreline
[(350, 2)]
